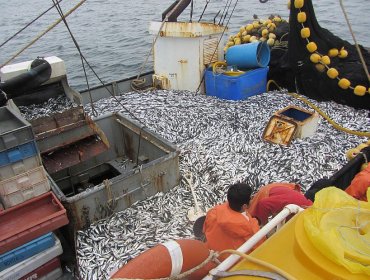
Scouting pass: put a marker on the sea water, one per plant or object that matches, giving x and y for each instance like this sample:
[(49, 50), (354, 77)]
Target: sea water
[(113, 35)]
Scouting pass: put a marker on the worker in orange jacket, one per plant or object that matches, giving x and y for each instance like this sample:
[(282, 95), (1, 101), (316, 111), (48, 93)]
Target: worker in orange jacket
[(359, 184), (272, 198), (229, 225)]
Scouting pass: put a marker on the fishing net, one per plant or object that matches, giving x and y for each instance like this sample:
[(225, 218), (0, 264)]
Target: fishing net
[(292, 67), (339, 227)]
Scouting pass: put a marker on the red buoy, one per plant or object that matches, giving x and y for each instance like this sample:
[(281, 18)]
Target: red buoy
[(168, 259)]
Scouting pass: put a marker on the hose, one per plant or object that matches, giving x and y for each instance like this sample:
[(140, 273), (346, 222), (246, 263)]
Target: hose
[(260, 262), (318, 110)]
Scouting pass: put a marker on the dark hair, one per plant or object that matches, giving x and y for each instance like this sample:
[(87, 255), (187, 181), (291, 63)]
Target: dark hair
[(237, 195)]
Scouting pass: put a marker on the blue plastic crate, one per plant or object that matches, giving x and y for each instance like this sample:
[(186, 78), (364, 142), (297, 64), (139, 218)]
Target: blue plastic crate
[(18, 153), (240, 87), (26, 251)]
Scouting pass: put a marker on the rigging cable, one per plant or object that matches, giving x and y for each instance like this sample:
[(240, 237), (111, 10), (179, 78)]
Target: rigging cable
[(228, 5), (205, 7), (105, 86), (59, 9), (218, 43), (223, 12), (43, 33), (138, 82), (28, 24), (354, 39), (191, 10)]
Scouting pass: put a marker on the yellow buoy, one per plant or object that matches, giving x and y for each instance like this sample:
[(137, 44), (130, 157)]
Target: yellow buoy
[(298, 4), (246, 38), (344, 83), (237, 41), (288, 5), (325, 60), (315, 58), (320, 67), (271, 42), (249, 27), (301, 17), (256, 24), (360, 90), (265, 32), (305, 32), (343, 53), (272, 36), (311, 47), (242, 29), (333, 52), (229, 44), (332, 73)]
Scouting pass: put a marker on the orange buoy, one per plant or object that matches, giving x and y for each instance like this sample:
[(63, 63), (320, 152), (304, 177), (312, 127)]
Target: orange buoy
[(168, 259)]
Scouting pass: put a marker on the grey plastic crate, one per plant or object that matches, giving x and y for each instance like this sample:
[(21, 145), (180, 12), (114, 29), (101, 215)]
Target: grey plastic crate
[(14, 129), (138, 164), (19, 167)]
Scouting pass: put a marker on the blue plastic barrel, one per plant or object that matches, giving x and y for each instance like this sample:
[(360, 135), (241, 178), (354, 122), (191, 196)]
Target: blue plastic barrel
[(251, 55)]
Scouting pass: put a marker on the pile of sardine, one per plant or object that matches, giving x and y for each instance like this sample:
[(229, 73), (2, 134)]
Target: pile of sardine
[(221, 143), (53, 105)]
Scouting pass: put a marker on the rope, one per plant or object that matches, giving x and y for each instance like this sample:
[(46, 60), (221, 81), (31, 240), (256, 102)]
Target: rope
[(28, 24), (248, 272), (137, 81), (59, 9), (354, 39), (43, 33), (318, 110), (261, 263), (218, 43), (211, 257)]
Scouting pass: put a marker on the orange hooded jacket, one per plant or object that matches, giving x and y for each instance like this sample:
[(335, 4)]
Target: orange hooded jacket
[(265, 192), (228, 229), (360, 184)]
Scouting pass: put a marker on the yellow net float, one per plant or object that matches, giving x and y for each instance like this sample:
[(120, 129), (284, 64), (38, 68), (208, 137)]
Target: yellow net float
[(360, 90), (301, 17), (344, 83)]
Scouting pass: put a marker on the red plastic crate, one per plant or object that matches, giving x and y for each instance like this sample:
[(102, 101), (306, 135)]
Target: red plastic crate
[(29, 220)]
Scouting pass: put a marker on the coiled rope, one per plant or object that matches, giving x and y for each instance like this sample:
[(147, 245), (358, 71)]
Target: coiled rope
[(318, 110)]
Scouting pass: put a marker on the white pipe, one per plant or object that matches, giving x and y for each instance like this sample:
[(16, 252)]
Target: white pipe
[(249, 244)]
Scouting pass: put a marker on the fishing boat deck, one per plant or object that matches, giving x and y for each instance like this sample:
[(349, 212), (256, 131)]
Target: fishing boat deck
[(220, 142)]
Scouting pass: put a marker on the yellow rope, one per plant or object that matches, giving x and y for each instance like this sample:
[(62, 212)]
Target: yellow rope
[(43, 33), (318, 110), (261, 263)]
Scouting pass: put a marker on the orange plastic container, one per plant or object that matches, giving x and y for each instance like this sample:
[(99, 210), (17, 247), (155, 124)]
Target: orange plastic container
[(290, 250), (29, 220)]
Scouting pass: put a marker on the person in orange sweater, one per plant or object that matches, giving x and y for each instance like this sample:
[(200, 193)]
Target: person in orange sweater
[(229, 225), (359, 184), (272, 198)]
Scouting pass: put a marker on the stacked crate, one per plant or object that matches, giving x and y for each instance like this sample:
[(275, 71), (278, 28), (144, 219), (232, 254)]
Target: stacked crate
[(25, 245), (22, 175)]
